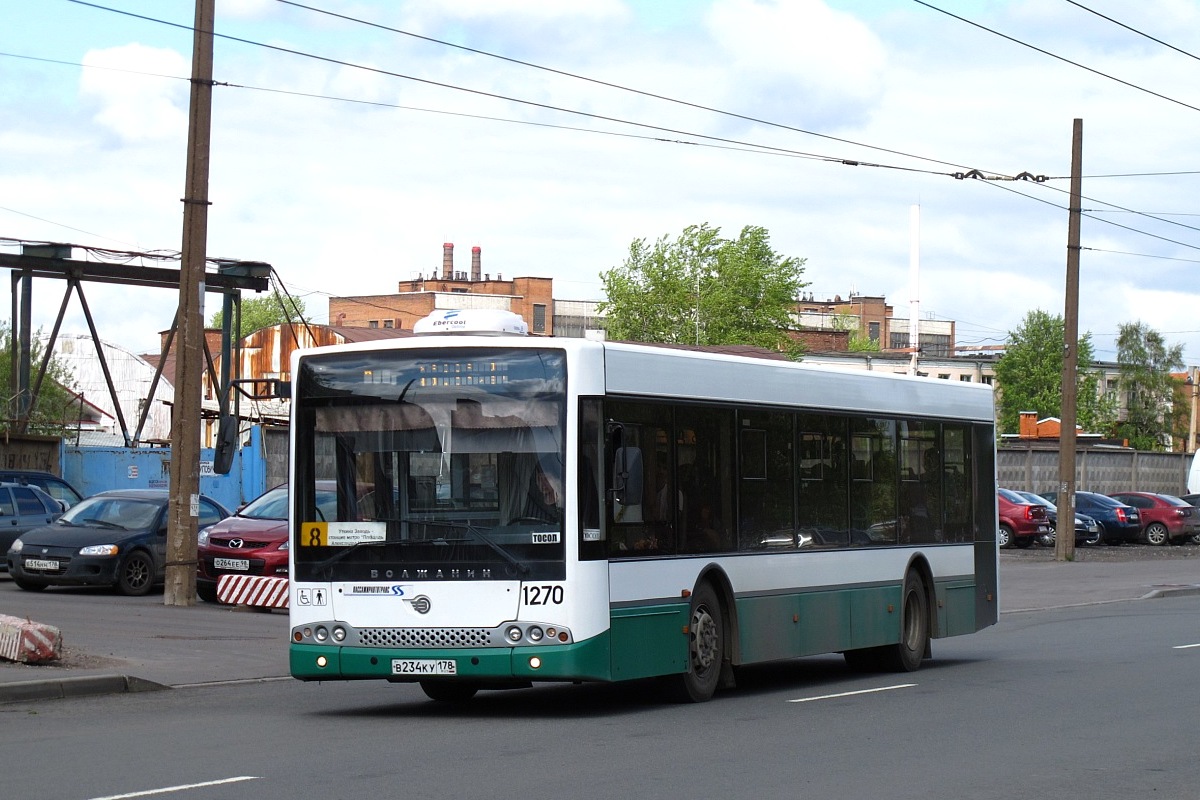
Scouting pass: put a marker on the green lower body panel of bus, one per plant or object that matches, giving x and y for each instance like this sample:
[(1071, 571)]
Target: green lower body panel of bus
[(581, 661)]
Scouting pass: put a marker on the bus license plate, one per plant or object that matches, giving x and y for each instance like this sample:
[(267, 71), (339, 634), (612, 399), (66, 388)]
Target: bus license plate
[(38, 563), (424, 666), (242, 564)]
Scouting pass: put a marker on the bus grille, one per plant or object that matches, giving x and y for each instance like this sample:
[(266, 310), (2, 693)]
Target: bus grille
[(425, 637)]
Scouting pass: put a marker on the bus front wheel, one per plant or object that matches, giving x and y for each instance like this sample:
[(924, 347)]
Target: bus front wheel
[(448, 692), (706, 647)]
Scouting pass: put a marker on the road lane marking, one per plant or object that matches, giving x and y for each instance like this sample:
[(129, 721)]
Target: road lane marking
[(852, 694), (1185, 646), (183, 788)]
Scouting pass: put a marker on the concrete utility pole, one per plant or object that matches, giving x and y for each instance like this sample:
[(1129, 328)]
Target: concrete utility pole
[(1064, 543), (180, 587)]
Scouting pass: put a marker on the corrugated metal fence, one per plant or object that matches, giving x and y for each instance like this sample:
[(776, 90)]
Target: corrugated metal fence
[(1103, 471)]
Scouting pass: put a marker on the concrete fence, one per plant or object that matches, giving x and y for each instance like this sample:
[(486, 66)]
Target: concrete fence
[(1104, 471)]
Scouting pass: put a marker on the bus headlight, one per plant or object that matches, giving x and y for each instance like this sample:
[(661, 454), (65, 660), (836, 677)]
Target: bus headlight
[(514, 634), (321, 634), (534, 634)]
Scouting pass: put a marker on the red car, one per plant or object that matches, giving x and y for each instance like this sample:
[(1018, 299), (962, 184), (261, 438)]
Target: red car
[(1165, 518), (1021, 522), (254, 541)]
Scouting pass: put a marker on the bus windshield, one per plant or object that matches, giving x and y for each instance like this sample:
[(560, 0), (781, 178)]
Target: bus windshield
[(447, 465)]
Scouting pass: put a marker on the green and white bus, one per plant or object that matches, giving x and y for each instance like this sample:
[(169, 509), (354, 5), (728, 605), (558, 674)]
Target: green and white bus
[(515, 509)]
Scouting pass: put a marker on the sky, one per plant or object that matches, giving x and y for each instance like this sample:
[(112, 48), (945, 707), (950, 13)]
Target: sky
[(352, 138)]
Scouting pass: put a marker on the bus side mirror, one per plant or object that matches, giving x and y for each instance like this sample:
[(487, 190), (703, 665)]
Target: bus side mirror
[(627, 476)]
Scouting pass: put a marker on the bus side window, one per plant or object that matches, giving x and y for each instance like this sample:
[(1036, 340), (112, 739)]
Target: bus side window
[(591, 444), (638, 466)]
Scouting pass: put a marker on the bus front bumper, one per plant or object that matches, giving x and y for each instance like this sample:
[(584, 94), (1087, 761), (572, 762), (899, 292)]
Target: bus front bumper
[(580, 661)]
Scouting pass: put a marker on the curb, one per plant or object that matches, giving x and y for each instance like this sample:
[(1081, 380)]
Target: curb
[(1155, 593), (61, 688), (1174, 590)]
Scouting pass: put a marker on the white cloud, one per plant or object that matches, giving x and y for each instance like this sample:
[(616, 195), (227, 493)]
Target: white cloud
[(349, 198), (810, 61), (598, 10), (138, 108), (247, 9)]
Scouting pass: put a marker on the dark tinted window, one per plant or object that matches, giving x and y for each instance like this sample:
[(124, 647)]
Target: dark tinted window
[(28, 503), (1135, 501), (210, 513), (50, 484)]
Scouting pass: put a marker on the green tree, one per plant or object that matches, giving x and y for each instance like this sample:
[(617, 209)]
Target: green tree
[(275, 308), (1029, 376), (1146, 363), (56, 409), (857, 342), (704, 289)]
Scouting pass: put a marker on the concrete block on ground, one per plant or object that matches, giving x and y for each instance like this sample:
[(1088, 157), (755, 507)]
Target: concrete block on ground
[(28, 641)]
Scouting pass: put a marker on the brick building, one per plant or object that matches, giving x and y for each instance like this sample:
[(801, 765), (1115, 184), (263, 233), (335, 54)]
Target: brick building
[(530, 298)]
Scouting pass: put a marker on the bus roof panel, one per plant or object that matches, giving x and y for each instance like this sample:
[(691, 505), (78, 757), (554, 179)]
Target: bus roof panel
[(650, 371)]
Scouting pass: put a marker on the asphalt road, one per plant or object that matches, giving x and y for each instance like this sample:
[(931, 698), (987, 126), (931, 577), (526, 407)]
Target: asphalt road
[(1083, 702)]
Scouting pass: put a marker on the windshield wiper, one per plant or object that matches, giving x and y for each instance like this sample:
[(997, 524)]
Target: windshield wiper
[(338, 556), (478, 533), (103, 523)]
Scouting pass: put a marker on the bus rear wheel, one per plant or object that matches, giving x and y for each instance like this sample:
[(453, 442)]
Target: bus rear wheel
[(914, 628), (706, 647), (905, 655), (448, 692)]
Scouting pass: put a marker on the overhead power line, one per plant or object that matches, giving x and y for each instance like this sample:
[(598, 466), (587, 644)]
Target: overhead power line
[(1133, 30), (620, 87), (1056, 56), (728, 143)]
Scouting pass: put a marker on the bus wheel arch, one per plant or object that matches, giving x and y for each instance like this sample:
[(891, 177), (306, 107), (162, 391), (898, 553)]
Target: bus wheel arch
[(920, 567), (918, 620), (710, 651), (917, 625)]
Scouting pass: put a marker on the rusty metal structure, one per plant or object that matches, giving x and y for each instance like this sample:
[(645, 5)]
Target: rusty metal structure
[(53, 261)]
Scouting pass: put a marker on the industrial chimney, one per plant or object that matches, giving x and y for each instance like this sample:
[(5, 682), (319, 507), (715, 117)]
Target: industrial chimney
[(476, 263), (447, 261)]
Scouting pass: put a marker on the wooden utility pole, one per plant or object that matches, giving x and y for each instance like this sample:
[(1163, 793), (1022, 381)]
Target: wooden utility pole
[(180, 587), (1064, 543)]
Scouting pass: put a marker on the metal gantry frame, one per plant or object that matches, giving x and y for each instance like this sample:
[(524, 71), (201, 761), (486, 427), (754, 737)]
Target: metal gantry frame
[(53, 261)]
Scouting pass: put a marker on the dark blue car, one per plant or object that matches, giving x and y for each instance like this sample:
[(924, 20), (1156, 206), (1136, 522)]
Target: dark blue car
[(116, 538), (1087, 530), (1121, 523)]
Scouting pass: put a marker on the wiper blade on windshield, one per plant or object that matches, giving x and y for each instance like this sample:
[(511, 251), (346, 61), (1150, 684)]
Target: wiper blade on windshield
[(338, 556), (478, 533), (103, 523)]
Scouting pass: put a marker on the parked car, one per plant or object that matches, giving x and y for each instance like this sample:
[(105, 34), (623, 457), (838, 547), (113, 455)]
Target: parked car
[(1192, 500), (1165, 518), (1021, 522), (254, 541), (23, 508), (48, 482), (1121, 522), (1087, 530), (116, 538)]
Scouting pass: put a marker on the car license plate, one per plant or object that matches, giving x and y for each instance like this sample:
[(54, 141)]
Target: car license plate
[(40, 563), (242, 564), (424, 666)]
